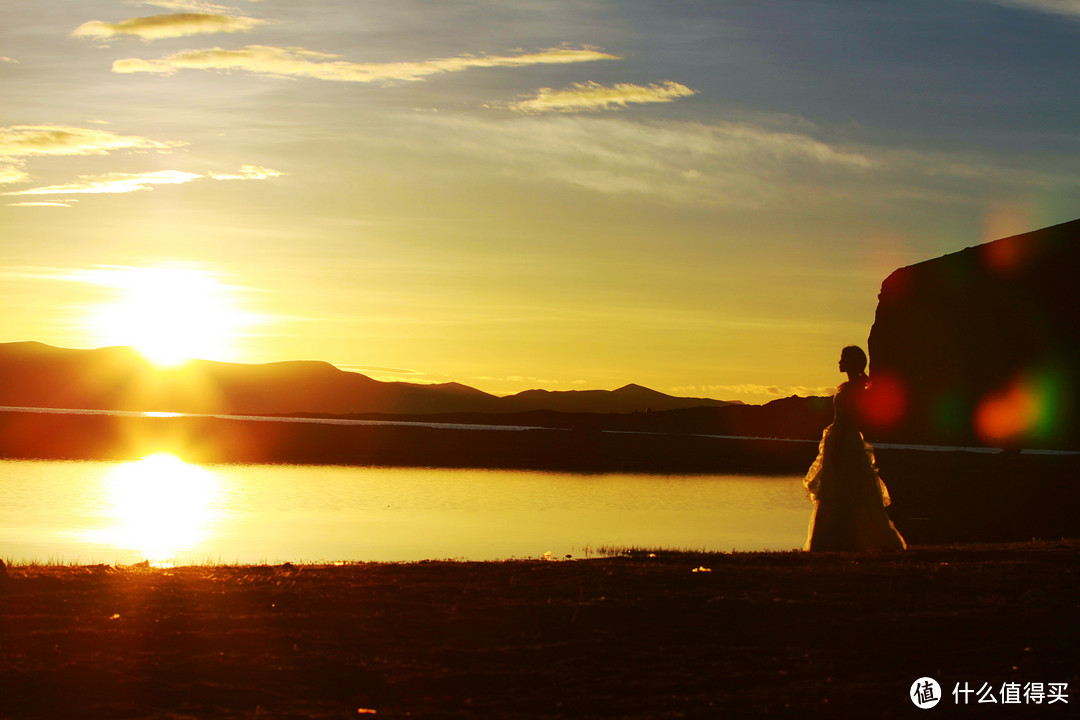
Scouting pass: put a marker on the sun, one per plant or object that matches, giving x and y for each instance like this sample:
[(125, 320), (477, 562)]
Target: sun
[(169, 314)]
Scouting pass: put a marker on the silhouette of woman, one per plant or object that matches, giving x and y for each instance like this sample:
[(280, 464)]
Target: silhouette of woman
[(849, 497)]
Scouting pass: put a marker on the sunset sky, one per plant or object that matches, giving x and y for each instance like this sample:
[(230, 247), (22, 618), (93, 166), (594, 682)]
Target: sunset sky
[(700, 197)]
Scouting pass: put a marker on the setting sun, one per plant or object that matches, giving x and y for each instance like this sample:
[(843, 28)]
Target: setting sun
[(169, 314)]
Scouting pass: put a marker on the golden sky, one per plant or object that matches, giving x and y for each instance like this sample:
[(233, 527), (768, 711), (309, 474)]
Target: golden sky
[(700, 197)]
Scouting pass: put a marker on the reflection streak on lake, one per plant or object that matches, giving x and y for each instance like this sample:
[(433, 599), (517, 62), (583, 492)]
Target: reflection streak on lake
[(167, 511)]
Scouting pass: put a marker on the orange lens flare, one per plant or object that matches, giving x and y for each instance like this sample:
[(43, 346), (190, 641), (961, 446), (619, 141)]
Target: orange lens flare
[(886, 403), (1010, 414)]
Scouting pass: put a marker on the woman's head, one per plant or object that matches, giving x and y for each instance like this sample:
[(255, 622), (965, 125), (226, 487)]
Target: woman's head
[(853, 360)]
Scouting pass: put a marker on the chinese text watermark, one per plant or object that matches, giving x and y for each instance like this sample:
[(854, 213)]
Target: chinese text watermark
[(925, 693)]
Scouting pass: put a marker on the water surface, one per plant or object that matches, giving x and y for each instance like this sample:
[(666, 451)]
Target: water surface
[(168, 511)]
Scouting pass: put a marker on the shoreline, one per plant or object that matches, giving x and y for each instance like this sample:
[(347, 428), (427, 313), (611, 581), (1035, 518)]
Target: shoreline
[(676, 635), (208, 439), (939, 496)]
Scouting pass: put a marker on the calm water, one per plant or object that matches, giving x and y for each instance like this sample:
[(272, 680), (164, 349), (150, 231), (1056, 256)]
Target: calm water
[(164, 510)]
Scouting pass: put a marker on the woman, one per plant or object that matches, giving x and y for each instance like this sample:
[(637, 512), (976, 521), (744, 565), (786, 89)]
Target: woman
[(849, 497)]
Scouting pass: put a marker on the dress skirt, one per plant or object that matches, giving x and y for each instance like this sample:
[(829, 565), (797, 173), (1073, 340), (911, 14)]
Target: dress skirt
[(849, 497)]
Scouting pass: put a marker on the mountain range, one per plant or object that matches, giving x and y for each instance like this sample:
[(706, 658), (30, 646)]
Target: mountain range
[(974, 347), (33, 374)]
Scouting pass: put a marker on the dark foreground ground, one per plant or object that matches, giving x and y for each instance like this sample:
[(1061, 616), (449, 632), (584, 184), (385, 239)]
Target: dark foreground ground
[(785, 634)]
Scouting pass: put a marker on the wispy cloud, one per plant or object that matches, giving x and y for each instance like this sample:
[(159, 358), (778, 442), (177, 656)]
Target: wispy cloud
[(388, 374), (6, 59), (721, 163), (299, 62), (113, 183), (42, 204), (116, 183), (1058, 7), (156, 27), (378, 369), (12, 172), (247, 172), (521, 379), (183, 5), (753, 389), (27, 140), (591, 96), (22, 141)]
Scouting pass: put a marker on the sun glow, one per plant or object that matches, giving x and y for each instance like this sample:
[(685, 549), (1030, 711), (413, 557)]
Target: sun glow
[(160, 506), (169, 314)]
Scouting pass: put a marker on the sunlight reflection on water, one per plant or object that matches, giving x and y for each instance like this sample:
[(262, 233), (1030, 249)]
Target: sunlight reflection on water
[(158, 506), (166, 511)]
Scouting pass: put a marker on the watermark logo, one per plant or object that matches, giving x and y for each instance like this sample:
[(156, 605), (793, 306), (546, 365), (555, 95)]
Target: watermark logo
[(925, 693)]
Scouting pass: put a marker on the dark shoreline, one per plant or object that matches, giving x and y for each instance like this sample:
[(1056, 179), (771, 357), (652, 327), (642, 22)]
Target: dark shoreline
[(676, 635), (210, 439)]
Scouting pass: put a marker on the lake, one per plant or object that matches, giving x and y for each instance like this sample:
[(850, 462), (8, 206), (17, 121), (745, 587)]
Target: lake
[(170, 512)]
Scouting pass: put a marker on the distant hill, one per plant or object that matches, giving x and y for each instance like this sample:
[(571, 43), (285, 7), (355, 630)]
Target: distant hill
[(790, 418), (33, 374), (629, 398)]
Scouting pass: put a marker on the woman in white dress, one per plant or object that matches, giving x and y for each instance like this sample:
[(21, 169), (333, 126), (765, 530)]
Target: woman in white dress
[(849, 497)]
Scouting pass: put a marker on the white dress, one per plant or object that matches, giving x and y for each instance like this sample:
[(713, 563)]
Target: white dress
[(848, 495)]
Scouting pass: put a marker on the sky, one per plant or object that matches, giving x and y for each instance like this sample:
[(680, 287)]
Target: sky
[(699, 197)]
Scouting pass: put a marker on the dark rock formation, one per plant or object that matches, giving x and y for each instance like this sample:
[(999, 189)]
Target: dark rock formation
[(982, 345)]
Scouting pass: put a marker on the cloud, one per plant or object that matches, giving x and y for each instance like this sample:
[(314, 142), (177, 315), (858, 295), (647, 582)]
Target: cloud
[(389, 374), (378, 369), (156, 27), (593, 96), (298, 62), (754, 389), (521, 379), (247, 172), (112, 183), (1057, 7), (27, 140), (723, 163), (6, 59), (117, 183), (184, 5), (42, 204), (21, 141), (12, 173), (686, 162)]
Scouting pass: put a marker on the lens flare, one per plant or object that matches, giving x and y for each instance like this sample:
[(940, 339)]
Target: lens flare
[(1024, 409), (951, 414), (1005, 256), (886, 403)]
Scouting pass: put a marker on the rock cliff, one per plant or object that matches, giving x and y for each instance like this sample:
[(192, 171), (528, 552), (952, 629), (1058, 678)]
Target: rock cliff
[(982, 345)]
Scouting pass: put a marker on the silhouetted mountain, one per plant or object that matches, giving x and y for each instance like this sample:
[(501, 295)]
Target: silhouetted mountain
[(36, 375), (790, 418), (982, 345), (629, 398)]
